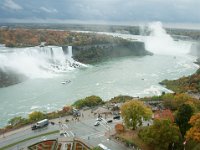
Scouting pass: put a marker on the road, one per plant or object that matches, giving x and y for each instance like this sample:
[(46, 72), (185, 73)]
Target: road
[(23, 134), (83, 129)]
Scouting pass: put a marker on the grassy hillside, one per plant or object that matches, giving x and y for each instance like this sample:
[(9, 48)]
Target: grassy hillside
[(185, 84)]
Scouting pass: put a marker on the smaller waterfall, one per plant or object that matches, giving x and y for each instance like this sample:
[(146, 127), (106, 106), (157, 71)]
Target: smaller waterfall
[(69, 55), (37, 62), (70, 51)]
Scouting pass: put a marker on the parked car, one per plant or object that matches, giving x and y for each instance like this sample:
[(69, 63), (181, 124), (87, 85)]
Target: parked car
[(99, 119), (52, 123), (97, 123), (109, 121), (116, 117), (63, 133)]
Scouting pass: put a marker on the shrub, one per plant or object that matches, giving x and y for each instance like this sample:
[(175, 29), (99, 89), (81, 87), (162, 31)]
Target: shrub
[(121, 99), (119, 128), (36, 115), (88, 101)]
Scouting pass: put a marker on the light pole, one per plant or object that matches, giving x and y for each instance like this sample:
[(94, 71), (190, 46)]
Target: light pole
[(3, 135), (109, 134)]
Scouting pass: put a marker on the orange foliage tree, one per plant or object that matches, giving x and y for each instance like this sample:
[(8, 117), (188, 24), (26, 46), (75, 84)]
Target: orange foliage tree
[(119, 128), (194, 132), (67, 109)]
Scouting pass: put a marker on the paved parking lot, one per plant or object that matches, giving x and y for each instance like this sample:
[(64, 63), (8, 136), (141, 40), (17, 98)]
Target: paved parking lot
[(93, 135)]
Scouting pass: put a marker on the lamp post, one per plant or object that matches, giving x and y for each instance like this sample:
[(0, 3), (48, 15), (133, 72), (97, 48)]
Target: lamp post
[(184, 143), (109, 132), (172, 146)]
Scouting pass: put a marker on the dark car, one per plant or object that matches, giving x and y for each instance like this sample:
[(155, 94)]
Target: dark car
[(76, 113), (34, 127), (109, 121), (116, 117)]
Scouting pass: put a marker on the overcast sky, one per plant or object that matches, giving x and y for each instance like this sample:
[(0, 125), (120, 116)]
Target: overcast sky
[(121, 11)]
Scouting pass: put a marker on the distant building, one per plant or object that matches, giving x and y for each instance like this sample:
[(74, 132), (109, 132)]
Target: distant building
[(164, 114), (155, 105)]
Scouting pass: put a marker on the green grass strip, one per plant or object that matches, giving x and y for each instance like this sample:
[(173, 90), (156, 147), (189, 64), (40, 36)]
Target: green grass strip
[(30, 138)]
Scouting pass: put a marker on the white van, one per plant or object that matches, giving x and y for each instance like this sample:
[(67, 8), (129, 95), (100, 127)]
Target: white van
[(103, 147)]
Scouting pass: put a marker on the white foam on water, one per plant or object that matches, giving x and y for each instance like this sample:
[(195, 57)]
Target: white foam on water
[(34, 107), (155, 90)]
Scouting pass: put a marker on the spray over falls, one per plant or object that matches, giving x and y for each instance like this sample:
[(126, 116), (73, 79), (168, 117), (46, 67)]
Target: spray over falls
[(159, 42)]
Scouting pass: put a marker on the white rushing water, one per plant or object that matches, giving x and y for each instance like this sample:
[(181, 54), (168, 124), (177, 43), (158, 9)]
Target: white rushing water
[(135, 76), (159, 42), (37, 62)]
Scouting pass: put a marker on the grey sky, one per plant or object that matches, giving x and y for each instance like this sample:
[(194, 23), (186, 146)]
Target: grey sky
[(178, 11)]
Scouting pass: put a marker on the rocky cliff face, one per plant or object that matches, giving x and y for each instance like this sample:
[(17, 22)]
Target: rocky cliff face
[(9, 77), (96, 53)]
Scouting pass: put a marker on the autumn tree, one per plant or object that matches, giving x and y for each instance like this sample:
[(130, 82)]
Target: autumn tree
[(194, 132), (133, 112), (173, 102), (119, 128), (67, 109), (161, 134), (182, 118), (36, 115)]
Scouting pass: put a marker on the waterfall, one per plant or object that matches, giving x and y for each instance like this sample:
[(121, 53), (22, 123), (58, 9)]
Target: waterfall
[(159, 42), (70, 55), (37, 62)]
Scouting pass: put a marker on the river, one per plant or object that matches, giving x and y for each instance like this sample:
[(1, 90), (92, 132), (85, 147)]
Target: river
[(134, 76)]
